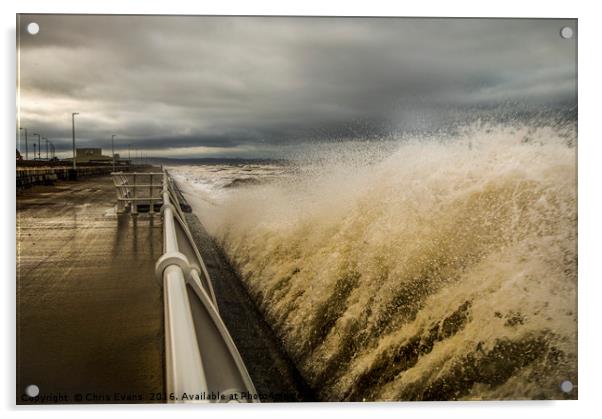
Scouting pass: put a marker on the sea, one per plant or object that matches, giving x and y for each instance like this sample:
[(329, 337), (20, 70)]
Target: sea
[(435, 267)]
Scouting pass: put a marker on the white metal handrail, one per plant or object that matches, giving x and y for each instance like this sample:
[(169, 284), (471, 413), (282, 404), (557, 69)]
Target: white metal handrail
[(138, 188), (202, 360)]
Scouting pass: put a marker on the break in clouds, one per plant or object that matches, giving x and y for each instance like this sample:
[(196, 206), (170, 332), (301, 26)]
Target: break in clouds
[(243, 86)]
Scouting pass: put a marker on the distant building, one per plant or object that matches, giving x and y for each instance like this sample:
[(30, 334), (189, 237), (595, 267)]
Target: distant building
[(91, 155), (94, 155)]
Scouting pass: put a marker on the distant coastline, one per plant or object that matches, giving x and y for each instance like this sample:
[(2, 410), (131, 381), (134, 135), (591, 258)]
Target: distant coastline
[(212, 160)]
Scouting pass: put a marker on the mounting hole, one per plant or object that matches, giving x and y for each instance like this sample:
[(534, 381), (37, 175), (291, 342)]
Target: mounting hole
[(566, 32), (33, 28), (566, 386), (32, 390)]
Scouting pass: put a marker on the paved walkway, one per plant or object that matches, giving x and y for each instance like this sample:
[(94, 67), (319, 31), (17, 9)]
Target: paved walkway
[(89, 310)]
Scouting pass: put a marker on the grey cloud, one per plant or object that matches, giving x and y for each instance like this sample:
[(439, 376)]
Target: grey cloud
[(176, 83)]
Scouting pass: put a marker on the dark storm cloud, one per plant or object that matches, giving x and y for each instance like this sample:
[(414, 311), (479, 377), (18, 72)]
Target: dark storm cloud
[(233, 85)]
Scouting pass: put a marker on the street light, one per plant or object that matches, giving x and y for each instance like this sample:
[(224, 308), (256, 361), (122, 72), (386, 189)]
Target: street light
[(26, 151), (113, 150), (73, 133), (34, 147)]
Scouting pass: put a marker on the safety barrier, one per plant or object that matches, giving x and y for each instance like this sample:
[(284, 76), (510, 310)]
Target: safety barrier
[(202, 362), (138, 191), (29, 176)]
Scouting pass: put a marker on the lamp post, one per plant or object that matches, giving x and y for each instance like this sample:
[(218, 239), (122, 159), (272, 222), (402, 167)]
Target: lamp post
[(26, 151), (46, 139), (113, 150), (73, 136), (34, 147)]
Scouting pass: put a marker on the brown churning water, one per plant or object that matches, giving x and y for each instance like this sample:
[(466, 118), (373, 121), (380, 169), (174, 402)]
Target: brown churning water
[(443, 270)]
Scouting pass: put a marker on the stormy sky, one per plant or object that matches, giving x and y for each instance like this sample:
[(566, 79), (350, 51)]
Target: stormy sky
[(245, 86)]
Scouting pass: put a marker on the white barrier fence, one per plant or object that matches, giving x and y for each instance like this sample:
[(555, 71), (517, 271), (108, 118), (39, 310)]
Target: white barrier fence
[(202, 363), (138, 189)]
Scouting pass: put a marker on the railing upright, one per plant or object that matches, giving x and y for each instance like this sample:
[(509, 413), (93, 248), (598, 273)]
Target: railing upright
[(134, 204), (151, 208)]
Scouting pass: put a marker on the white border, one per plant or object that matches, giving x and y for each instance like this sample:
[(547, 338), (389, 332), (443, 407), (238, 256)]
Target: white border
[(590, 208)]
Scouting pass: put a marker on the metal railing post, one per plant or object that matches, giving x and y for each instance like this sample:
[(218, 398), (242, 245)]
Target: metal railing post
[(134, 204), (151, 208)]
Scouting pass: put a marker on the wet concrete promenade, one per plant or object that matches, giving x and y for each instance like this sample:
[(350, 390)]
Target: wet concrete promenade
[(89, 309)]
